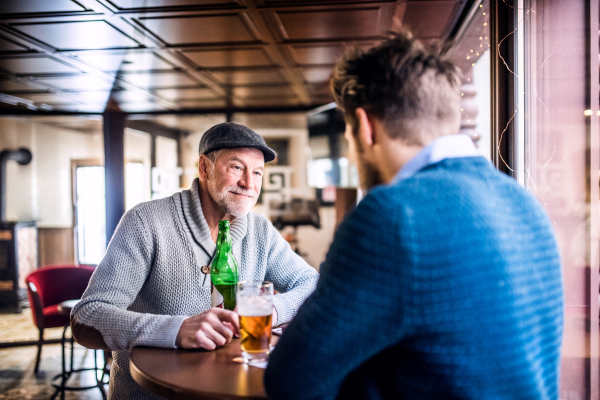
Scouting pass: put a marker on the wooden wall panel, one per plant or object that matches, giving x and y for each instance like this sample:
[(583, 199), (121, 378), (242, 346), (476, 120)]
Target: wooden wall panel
[(56, 246)]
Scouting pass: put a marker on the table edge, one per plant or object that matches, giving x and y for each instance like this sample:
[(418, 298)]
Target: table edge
[(164, 389)]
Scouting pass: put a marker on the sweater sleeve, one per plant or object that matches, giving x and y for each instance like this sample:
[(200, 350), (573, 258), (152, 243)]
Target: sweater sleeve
[(291, 276), (357, 310), (113, 288)]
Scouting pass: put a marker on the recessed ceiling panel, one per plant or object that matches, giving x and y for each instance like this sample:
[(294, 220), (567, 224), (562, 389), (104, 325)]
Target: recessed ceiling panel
[(78, 107), (78, 35), (312, 55), (319, 89), (187, 94), (10, 86), (262, 91), (428, 20), (268, 102), (130, 96), (138, 107), (100, 96), (249, 77), (203, 103), (35, 65), (89, 124), (63, 104), (201, 29), (331, 24), (324, 99), (132, 61), (38, 6), (159, 80), (79, 83), (44, 97), (329, 1), (128, 4), (316, 75), (229, 58), (7, 45)]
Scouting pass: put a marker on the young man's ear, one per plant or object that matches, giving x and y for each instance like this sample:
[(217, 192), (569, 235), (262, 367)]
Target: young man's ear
[(366, 128)]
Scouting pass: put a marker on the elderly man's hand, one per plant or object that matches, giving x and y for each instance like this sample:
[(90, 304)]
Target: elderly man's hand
[(208, 330)]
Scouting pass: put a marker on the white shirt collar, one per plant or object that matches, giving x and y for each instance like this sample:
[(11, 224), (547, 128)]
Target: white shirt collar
[(450, 146)]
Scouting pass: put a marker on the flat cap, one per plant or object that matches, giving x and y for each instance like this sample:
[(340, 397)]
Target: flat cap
[(228, 135)]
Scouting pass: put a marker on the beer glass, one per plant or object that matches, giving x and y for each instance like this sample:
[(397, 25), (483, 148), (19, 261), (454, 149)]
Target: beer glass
[(255, 308)]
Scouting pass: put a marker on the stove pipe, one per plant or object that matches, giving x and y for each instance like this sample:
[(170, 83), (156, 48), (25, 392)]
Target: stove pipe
[(23, 157)]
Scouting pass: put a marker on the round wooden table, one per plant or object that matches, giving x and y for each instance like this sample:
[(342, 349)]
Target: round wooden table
[(197, 374)]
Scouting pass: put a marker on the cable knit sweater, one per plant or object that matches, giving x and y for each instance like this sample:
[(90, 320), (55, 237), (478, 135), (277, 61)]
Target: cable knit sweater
[(150, 279), (445, 285)]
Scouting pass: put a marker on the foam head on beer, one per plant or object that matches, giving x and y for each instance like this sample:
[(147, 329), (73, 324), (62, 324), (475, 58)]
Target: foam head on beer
[(255, 306)]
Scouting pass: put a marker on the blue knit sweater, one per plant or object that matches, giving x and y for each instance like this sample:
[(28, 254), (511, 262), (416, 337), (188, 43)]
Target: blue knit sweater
[(446, 285)]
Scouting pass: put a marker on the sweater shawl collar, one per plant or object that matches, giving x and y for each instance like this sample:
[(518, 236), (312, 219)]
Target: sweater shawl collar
[(194, 216)]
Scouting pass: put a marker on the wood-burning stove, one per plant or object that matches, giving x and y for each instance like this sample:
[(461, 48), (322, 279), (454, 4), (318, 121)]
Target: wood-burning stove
[(18, 243), (18, 257)]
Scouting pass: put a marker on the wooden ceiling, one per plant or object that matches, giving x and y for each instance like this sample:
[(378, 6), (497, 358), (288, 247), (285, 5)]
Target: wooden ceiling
[(190, 55)]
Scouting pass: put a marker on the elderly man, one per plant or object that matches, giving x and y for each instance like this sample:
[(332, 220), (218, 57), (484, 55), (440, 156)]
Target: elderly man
[(150, 288), (445, 282)]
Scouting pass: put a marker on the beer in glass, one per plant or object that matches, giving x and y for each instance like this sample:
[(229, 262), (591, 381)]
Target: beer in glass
[(255, 308)]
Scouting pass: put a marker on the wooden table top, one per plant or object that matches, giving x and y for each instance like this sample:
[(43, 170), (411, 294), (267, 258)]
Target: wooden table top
[(197, 374), (66, 307)]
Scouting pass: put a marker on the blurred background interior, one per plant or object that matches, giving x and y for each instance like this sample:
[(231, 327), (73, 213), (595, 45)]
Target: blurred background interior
[(103, 103)]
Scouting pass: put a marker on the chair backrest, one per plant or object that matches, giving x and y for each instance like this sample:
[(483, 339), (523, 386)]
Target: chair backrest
[(59, 283)]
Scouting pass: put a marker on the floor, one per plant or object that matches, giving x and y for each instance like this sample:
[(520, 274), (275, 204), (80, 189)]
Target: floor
[(17, 379), (20, 328)]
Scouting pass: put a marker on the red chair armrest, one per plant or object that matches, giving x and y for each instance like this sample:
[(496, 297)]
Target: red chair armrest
[(37, 305)]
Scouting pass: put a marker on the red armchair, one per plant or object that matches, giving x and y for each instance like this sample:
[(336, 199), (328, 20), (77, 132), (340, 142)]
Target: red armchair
[(49, 286)]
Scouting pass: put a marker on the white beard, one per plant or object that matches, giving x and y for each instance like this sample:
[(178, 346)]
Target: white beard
[(231, 204)]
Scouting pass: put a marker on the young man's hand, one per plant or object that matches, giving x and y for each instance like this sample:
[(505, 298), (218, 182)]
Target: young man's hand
[(208, 330)]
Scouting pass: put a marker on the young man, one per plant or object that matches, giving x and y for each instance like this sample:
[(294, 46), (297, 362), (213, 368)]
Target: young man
[(150, 288), (445, 282)]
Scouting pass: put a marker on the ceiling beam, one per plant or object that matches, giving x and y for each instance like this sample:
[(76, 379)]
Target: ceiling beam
[(189, 111)]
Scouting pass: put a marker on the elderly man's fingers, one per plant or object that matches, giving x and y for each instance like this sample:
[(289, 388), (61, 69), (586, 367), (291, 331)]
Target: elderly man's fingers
[(204, 342), (215, 337), (232, 329), (224, 330), (228, 316)]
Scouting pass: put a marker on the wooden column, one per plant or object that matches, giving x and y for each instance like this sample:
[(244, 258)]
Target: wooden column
[(114, 168)]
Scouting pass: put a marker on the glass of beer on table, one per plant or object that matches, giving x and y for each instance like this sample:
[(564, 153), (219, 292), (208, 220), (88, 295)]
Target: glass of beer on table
[(255, 308)]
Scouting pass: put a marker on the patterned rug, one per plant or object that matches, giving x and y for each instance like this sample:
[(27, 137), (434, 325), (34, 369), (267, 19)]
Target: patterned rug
[(20, 328), (18, 381)]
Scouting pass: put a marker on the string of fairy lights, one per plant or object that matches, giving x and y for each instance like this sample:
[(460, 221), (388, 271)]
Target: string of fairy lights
[(478, 46), (475, 53)]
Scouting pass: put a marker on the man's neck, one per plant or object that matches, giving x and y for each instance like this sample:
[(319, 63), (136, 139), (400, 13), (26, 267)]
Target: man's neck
[(212, 212), (393, 156)]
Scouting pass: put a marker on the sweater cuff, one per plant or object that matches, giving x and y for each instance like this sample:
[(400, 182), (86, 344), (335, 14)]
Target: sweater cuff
[(285, 312), (164, 334)]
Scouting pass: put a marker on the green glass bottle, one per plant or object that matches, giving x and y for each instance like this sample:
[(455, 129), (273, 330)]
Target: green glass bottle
[(224, 270)]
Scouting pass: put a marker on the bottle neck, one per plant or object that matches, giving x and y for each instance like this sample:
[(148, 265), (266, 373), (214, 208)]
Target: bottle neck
[(223, 240)]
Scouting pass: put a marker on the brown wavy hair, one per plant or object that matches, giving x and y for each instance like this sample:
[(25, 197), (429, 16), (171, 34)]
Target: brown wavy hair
[(410, 87)]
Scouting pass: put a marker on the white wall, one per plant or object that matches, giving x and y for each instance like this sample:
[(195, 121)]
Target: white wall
[(166, 153), (42, 190), (138, 148)]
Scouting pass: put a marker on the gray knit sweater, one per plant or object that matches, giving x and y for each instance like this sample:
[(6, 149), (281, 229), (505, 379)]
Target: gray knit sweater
[(150, 279)]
